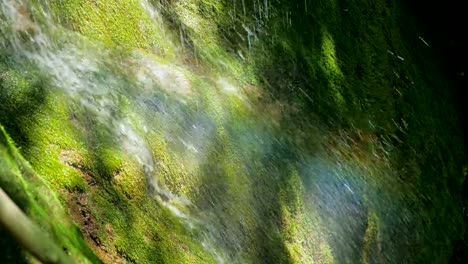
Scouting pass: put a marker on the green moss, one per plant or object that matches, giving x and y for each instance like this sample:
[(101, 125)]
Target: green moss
[(371, 239), (123, 24), (31, 193), (76, 157), (330, 79), (53, 135), (40, 123), (172, 171), (331, 68), (145, 232)]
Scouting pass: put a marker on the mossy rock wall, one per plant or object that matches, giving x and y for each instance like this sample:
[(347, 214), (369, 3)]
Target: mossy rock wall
[(197, 131)]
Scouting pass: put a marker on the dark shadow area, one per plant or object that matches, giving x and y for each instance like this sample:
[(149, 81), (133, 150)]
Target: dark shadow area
[(446, 36), (444, 26), (12, 253), (444, 60)]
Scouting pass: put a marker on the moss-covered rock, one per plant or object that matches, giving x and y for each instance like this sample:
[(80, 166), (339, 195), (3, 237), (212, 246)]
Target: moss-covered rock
[(198, 130)]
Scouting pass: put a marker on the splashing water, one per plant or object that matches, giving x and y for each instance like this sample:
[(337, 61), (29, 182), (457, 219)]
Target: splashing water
[(136, 96), (73, 67)]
